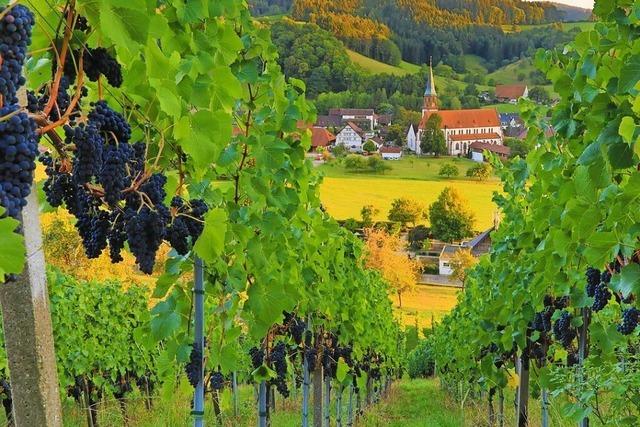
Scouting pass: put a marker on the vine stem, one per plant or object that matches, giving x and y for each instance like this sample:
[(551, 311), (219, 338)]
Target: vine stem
[(63, 56)]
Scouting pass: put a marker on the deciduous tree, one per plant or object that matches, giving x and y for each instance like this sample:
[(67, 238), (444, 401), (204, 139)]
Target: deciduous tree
[(385, 253), (461, 261), (448, 170), (432, 140), (449, 216), (404, 210)]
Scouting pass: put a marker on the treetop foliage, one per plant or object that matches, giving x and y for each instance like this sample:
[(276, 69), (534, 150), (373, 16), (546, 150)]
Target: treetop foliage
[(450, 219)]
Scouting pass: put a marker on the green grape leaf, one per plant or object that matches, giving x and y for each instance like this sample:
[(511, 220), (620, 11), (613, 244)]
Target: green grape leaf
[(627, 129), (629, 74), (628, 281), (165, 324), (211, 242), (12, 255)]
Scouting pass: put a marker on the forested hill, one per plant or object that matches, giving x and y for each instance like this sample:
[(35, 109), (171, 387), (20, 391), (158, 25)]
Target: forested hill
[(415, 30)]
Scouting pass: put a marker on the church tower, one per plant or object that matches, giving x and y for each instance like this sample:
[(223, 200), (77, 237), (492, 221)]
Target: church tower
[(430, 96)]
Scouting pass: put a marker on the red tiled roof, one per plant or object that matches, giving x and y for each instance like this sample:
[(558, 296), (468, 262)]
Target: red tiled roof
[(474, 136), (320, 137), (387, 149), (510, 91), (494, 148), (457, 119)]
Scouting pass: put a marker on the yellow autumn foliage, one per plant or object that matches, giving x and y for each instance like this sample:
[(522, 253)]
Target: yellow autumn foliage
[(385, 253), (63, 249)]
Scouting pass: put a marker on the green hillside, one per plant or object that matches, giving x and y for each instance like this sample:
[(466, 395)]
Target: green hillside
[(509, 73), (376, 67), (566, 26)]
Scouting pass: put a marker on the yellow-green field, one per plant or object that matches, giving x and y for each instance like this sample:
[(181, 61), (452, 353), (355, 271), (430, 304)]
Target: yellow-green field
[(344, 197), (427, 303)]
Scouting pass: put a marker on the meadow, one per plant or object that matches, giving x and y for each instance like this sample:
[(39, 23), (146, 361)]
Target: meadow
[(426, 304), (344, 193)]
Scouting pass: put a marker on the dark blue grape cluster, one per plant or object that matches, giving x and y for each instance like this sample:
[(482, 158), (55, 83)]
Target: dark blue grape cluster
[(593, 280), (257, 357), (145, 233), (187, 223), (110, 123), (563, 331), (630, 319), (18, 150), (194, 367), (98, 62), (278, 360), (89, 147), (216, 381), (113, 199), (601, 296), (18, 138), (114, 176), (15, 37), (295, 326)]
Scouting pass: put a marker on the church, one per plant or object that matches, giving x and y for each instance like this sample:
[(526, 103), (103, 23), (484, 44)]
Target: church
[(462, 128)]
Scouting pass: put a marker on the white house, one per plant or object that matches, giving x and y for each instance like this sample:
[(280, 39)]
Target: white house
[(412, 139), (390, 153), (461, 127), (479, 245), (351, 136), (356, 114)]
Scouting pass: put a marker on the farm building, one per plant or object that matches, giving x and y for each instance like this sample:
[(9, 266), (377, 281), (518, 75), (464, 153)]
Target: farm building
[(477, 149), (511, 93), (390, 153), (361, 116), (352, 137), (479, 245), (321, 137)]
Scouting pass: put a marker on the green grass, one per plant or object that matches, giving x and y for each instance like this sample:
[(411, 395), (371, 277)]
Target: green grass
[(372, 66), (509, 73), (426, 303), (567, 26), (475, 64), (410, 403), (376, 67), (408, 167)]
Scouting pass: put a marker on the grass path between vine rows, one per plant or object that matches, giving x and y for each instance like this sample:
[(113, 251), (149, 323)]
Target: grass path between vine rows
[(410, 403)]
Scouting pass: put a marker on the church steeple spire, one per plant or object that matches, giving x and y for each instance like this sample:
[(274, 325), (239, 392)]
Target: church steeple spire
[(430, 94)]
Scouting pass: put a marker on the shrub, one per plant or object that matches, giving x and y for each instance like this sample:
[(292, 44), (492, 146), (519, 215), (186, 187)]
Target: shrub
[(417, 236), (421, 361), (376, 164), (449, 170), (355, 162)]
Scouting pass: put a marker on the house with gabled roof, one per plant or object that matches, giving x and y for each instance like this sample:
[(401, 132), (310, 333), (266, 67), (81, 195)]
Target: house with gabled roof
[(352, 137), (511, 93), (479, 245)]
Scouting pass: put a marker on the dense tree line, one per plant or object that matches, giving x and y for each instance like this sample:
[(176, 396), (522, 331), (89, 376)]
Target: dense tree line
[(440, 29), (315, 56), (419, 42), (269, 7)]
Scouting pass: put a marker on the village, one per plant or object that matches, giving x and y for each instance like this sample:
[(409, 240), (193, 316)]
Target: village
[(467, 132), (362, 136)]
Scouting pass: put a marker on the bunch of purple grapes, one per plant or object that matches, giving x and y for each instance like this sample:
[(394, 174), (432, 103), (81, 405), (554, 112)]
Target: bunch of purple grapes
[(18, 138), (112, 197)]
